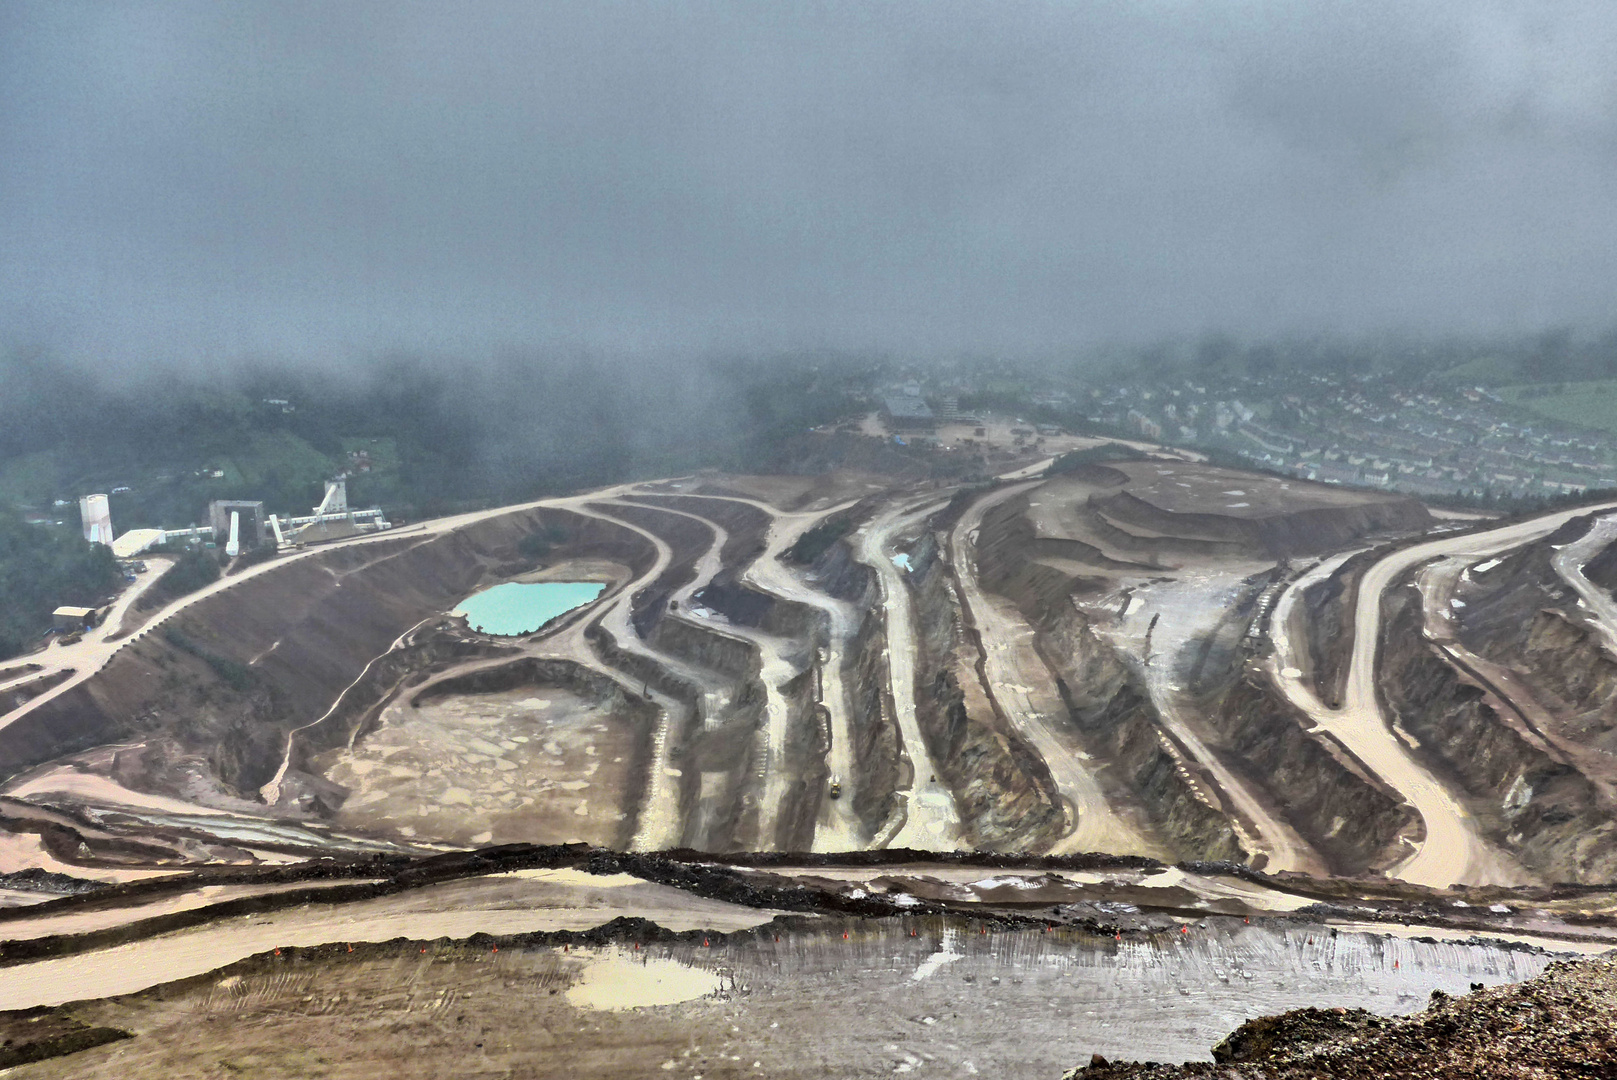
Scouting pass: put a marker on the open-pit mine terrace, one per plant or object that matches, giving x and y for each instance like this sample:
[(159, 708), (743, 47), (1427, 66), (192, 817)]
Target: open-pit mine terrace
[(1200, 723)]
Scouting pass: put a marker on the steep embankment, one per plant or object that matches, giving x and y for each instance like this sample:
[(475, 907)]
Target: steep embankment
[(1337, 805), (875, 758), (687, 538), (1115, 718), (746, 526), (1328, 608), (1254, 749), (229, 676), (1302, 530), (1523, 794), (1602, 569), (1004, 790), (1109, 709), (1520, 613)]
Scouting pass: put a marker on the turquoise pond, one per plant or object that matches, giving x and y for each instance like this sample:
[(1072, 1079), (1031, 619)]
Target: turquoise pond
[(523, 607)]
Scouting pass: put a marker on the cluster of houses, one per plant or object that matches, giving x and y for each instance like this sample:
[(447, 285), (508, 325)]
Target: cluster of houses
[(1357, 431)]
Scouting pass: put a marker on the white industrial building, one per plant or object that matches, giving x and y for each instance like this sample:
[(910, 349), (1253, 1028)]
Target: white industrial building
[(97, 517)]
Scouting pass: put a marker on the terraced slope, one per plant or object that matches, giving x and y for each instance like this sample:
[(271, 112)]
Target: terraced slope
[(1117, 659)]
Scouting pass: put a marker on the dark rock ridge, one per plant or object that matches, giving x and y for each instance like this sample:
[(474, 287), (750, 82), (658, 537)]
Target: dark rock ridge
[(1561, 1024), (1006, 796), (1524, 793)]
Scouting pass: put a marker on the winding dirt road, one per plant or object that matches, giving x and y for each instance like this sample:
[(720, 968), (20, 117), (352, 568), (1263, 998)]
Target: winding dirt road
[(1024, 688), (932, 819), (98, 651), (774, 672), (1453, 852), (1569, 562), (90, 653), (838, 828)]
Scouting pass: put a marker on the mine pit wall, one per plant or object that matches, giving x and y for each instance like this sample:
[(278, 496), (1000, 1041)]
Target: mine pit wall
[(1006, 797), (1156, 548), (356, 712), (736, 659), (331, 612), (1333, 802), (644, 670), (880, 768), (807, 742), (731, 744), (602, 690), (1006, 538), (807, 629), (780, 616), (1297, 532), (154, 689), (684, 729), (1542, 810), (688, 540), (1110, 711), (730, 752), (1080, 552), (1329, 608), (1602, 569), (1336, 804), (1566, 658), (1313, 783), (839, 574), (1501, 601), (1005, 542), (1512, 618), (746, 525), (1219, 660), (1117, 723)]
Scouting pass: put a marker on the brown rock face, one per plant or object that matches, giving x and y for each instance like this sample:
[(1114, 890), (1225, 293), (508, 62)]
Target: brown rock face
[(1561, 1024)]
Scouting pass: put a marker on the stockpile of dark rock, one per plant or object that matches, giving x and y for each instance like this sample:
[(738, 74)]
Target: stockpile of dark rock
[(1561, 1024)]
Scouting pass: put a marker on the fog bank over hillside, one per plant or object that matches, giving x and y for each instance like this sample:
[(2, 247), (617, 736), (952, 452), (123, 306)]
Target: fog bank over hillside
[(210, 181)]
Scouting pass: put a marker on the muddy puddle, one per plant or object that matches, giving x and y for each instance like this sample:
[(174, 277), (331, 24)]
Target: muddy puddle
[(521, 902), (615, 979), (539, 765), (954, 1001), (928, 996)]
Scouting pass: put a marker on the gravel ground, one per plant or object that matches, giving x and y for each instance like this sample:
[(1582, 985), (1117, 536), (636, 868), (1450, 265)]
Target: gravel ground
[(816, 997), (1561, 1024)]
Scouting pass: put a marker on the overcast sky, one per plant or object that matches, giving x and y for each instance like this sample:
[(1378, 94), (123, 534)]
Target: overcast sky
[(340, 179)]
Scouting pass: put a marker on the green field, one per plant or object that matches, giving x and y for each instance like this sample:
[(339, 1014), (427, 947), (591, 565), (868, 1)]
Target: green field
[(275, 459), (1580, 404), (383, 451), (1483, 371)]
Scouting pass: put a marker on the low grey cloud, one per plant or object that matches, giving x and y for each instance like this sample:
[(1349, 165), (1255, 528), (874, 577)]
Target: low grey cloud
[(326, 180)]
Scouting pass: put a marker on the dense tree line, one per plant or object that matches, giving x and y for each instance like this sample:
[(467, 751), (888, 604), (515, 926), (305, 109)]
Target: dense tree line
[(40, 570), (461, 435), (466, 434), (194, 569)]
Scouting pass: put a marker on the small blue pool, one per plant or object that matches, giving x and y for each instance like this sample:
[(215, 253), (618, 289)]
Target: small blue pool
[(523, 607)]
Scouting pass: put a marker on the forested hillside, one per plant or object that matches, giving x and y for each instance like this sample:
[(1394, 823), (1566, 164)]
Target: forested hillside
[(419, 438), (40, 569)]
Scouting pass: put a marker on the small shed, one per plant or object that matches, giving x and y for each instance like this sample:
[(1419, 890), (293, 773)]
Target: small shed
[(69, 619)]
